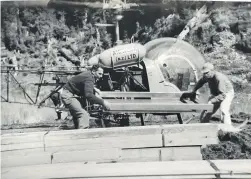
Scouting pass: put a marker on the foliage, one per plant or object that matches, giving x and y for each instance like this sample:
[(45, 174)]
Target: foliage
[(223, 39), (9, 27), (169, 26), (68, 36)]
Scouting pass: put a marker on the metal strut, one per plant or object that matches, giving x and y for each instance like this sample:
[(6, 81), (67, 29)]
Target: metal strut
[(21, 88), (48, 96), (39, 86)]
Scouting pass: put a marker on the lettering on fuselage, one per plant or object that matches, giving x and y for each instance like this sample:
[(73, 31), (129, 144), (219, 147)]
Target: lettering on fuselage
[(125, 55)]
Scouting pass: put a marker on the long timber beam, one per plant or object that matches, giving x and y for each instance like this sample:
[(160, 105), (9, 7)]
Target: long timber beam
[(149, 102), (155, 106), (109, 94), (140, 170)]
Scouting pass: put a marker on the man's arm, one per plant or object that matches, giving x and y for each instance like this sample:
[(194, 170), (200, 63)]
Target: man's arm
[(97, 90), (199, 84), (89, 87)]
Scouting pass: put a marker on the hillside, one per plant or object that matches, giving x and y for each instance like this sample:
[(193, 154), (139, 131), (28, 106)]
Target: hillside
[(68, 37)]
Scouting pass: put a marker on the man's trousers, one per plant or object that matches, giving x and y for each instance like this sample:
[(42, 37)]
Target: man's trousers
[(224, 107), (73, 103)]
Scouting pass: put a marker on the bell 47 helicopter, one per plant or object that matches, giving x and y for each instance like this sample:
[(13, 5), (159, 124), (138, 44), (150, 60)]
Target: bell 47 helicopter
[(150, 78)]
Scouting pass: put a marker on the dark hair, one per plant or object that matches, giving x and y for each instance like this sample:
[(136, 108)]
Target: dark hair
[(95, 67)]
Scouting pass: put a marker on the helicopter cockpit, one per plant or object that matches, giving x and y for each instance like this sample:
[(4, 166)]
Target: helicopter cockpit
[(178, 61)]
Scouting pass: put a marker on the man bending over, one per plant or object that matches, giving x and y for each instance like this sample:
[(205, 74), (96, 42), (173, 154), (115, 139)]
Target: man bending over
[(82, 85), (222, 93)]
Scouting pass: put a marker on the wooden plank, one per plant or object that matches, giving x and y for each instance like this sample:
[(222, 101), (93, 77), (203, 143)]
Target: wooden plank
[(10, 147), (186, 141), (161, 154), (23, 134), (182, 177), (98, 155), (190, 134), (22, 143), (145, 101), (21, 152), (140, 155), (181, 153), (23, 160), (237, 166), (108, 94), (70, 170), (200, 128), (173, 169), (161, 100), (103, 132), (30, 137), (177, 141), (138, 141), (127, 131), (15, 144), (155, 107), (164, 177)]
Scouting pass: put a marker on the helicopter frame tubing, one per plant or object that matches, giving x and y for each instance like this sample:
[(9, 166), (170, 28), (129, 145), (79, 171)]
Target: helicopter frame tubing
[(9, 74), (42, 73)]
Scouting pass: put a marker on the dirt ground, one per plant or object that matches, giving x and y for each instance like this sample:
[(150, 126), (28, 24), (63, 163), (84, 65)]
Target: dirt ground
[(231, 145)]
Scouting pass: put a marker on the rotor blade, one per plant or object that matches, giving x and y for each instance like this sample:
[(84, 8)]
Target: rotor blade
[(81, 3), (54, 3), (32, 3), (104, 25)]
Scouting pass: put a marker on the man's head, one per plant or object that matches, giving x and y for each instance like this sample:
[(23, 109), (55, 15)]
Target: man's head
[(97, 71), (208, 70)]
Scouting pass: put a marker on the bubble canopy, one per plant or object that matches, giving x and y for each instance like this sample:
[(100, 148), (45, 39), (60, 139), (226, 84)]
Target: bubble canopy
[(179, 61)]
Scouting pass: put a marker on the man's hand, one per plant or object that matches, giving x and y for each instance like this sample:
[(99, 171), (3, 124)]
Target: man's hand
[(97, 95), (193, 96), (97, 91), (209, 102), (106, 105), (188, 95)]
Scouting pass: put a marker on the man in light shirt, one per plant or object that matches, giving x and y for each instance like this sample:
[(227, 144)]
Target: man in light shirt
[(222, 93)]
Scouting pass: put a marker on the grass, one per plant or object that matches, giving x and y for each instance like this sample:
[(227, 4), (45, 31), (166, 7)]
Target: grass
[(12, 113), (241, 103)]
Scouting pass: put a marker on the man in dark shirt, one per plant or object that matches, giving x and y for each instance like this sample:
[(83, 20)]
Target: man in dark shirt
[(222, 92), (82, 85)]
